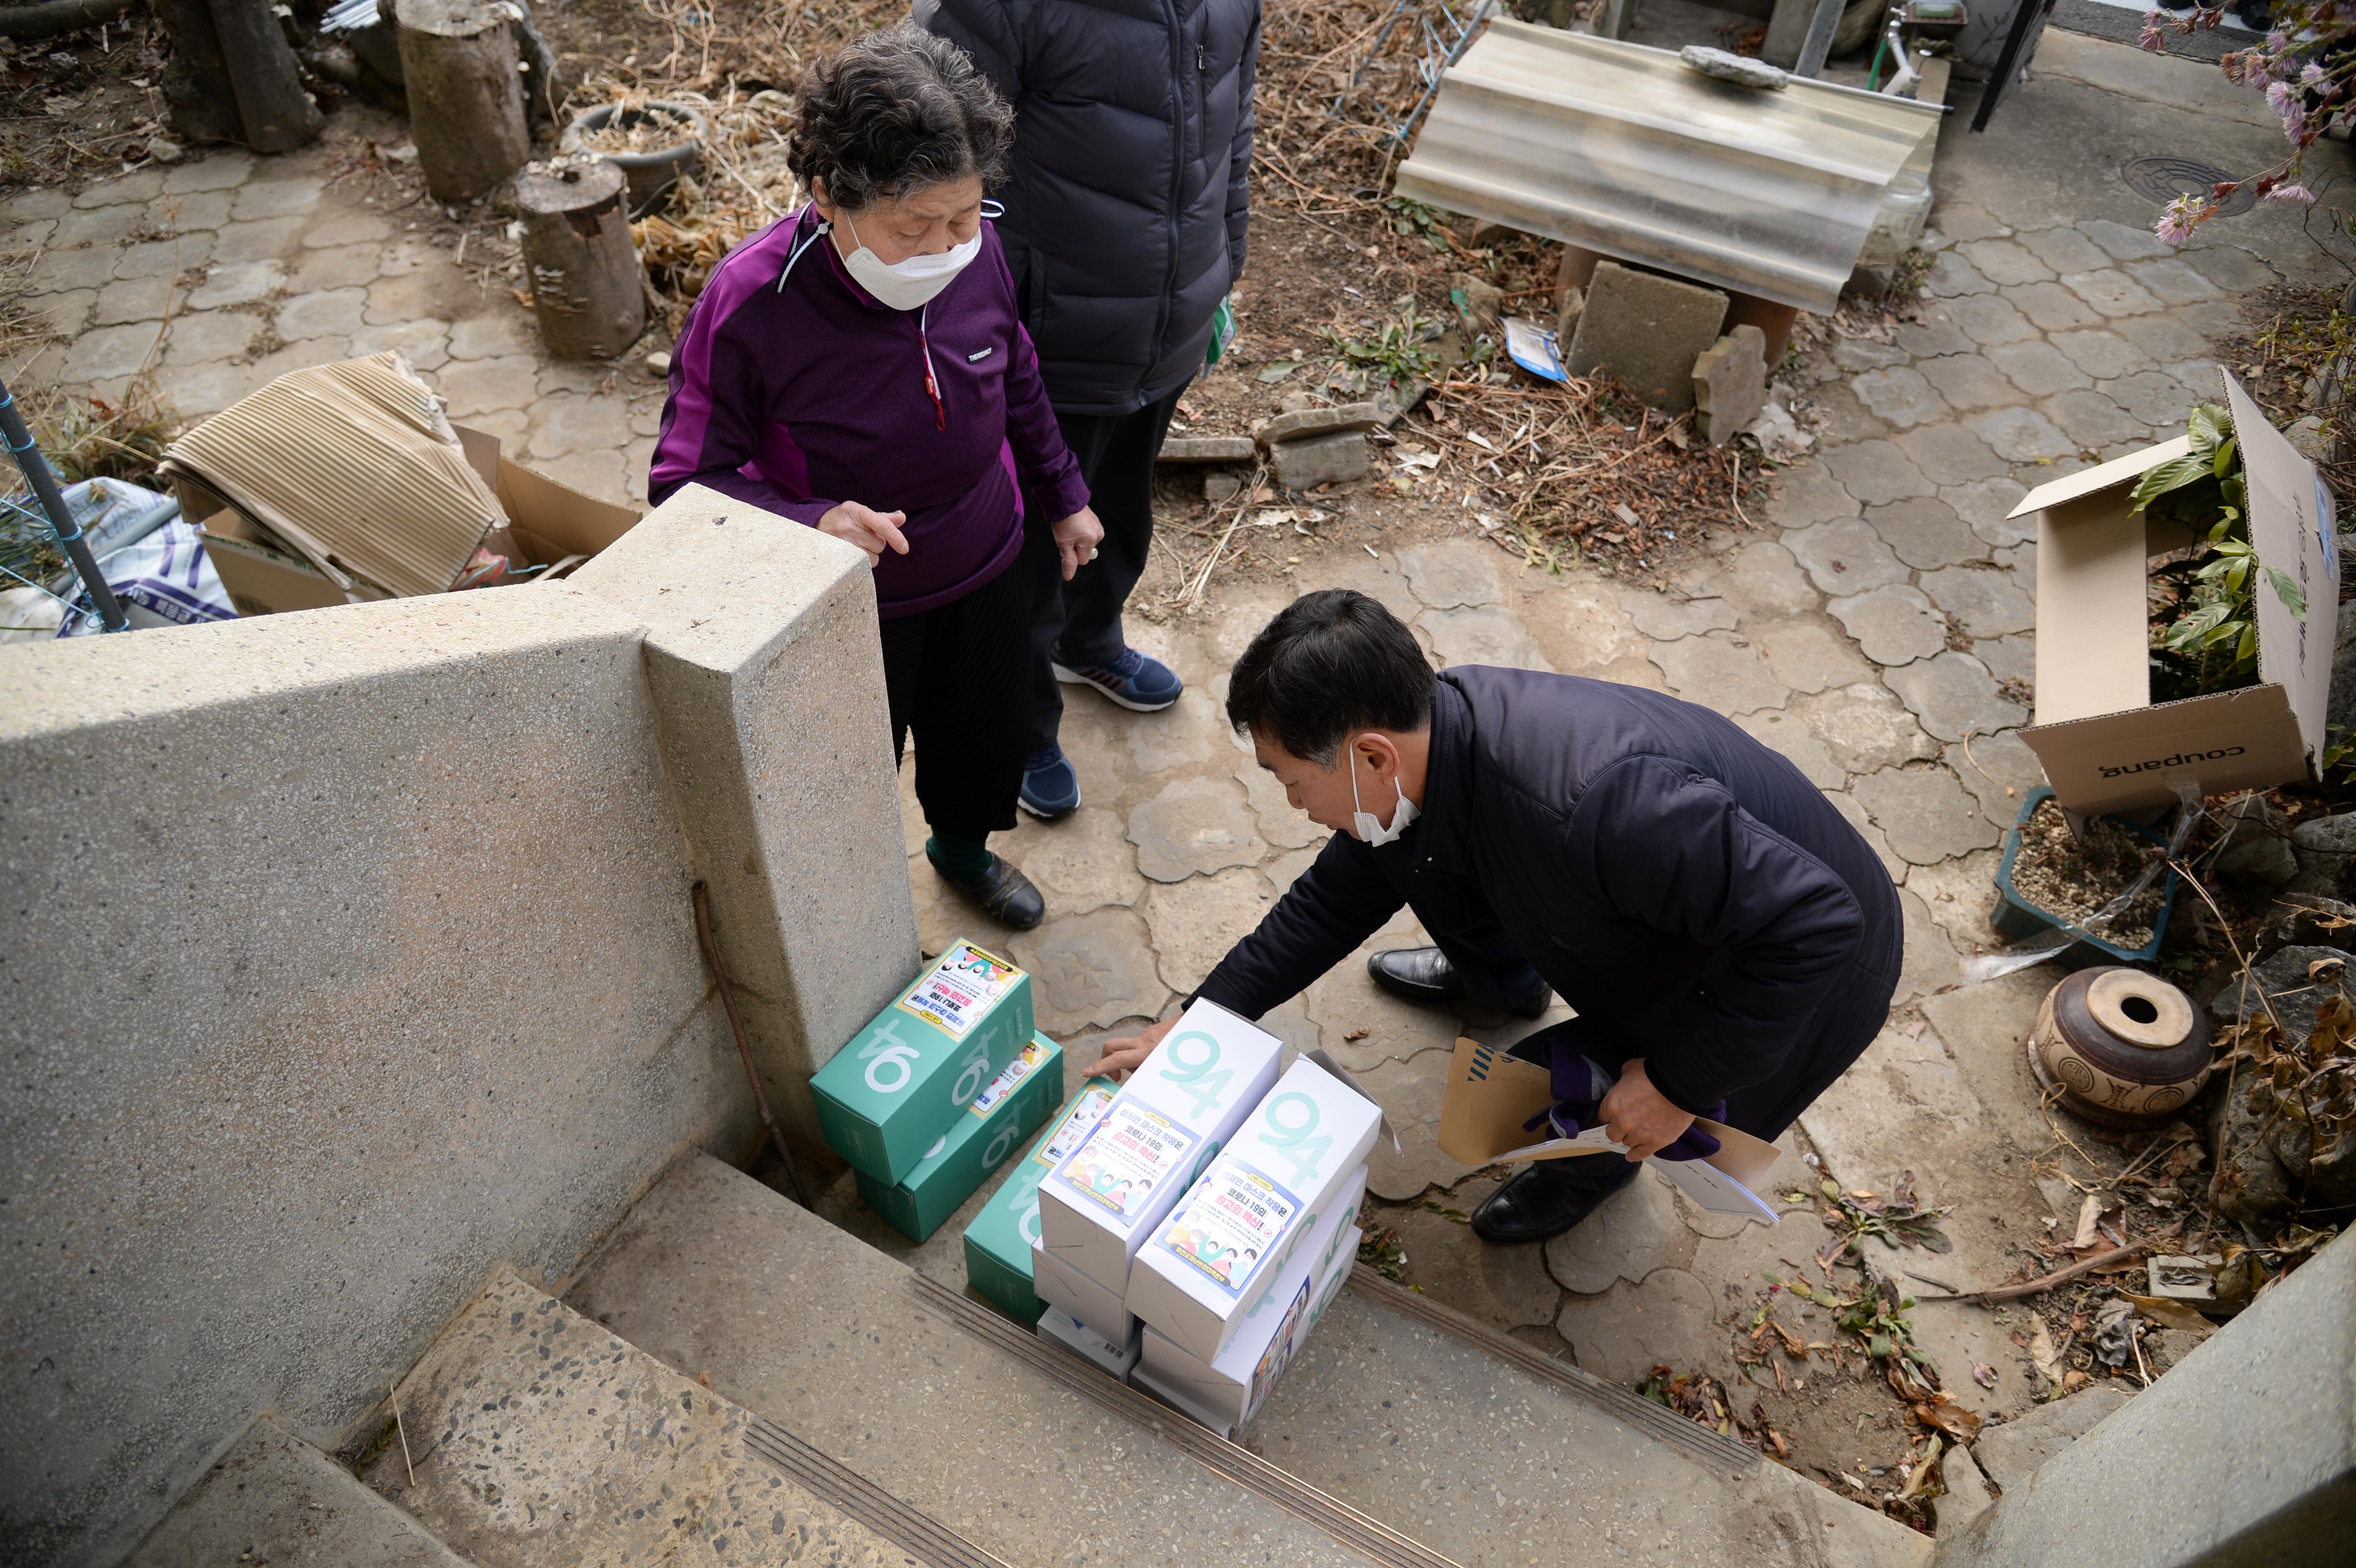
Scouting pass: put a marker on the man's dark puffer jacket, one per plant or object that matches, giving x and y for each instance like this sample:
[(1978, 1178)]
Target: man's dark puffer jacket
[(1125, 199)]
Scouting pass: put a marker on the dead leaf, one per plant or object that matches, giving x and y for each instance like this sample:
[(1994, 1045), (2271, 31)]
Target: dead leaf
[(2074, 1379), (2041, 1353), (2171, 1314), (1945, 1415), (1983, 1375), (2090, 1214), (1357, 1034)]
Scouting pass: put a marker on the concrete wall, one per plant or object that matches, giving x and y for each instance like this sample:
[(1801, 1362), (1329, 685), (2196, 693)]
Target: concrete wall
[(348, 953), (2243, 1456)]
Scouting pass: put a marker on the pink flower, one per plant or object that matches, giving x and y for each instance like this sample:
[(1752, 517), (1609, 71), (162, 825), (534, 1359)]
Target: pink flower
[(2277, 42), (2313, 76), (2185, 214), (2149, 38), (2298, 193)]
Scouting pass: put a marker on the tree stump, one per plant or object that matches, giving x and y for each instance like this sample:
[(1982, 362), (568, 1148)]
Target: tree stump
[(197, 85), (279, 115), (587, 287), (466, 96)]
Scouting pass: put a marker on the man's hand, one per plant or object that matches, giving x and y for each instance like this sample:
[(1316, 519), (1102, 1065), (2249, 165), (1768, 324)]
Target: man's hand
[(1076, 538), (1123, 1057), (1639, 1115), (868, 528)]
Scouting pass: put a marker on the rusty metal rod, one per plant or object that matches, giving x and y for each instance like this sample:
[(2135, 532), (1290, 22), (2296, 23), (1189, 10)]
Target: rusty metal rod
[(728, 1000)]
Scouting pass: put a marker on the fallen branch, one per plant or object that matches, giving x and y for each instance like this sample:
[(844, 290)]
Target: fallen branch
[(2039, 1287), (56, 16)]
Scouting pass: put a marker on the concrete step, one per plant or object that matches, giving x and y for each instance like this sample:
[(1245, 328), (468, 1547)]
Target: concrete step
[(1403, 1435), (274, 1499), (538, 1440)]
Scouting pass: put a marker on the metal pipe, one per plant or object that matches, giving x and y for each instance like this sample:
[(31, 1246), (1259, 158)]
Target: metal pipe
[(61, 519)]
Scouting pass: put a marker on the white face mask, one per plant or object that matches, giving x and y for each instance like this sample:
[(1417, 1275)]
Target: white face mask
[(906, 285), (1370, 831)]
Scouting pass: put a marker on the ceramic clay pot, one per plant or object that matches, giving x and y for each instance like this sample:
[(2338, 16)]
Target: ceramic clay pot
[(2125, 1049)]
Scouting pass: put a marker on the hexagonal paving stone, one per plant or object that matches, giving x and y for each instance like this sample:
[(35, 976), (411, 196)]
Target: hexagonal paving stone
[(345, 267), (1720, 673), (2010, 657), (2092, 420), (1662, 618), (1986, 505), (1900, 395), (1925, 532), (2164, 338), (172, 214), (1381, 581), (1453, 573), (2155, 398), (2102, 354), (1865, 354), (1582, 626), (2020, 560), (1196, 824), (347, 228), (1196, 922), (1876, 472), (1762, 580), (1968, 381), (1492, 635), (1844, 557), (2112, 293), (1981, 600), (1091, 971), (1988, 320), (2000, 772), (491, 337), (2004, 262), (1962, 221), (2023, 435), (1630, 1235), (245, 283), (1925, 812), (2122, 242), (1950, 454), (1187, 732), (64, 315), (1409, 1093), (1785, 734), (221, 168), (34, 203), (207, 387), (139, 187), (200, 336), (1893, 624), (59, 271), (2065, 249), (1932, 335), (2171, 281), (2198, 377), (2054, 308), (482, 386), (1953, 693), (2038, 369), (1929, 963), (1951, 275), (99, 226), (164, 258), (1808, 655), (2230, 268), (262, 240), (133, 299), (1841, 416), (1809, 493), (424, 344), (336, 311), (1082, 863), (566, 421), (277, 198), (107, 351), (1865, 727), (1620, 1336)]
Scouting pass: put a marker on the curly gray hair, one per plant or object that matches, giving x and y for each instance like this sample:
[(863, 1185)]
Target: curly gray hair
[(893, 113)]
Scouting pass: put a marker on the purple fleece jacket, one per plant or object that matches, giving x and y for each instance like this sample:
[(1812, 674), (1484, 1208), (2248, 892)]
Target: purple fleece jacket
[(796, 399)]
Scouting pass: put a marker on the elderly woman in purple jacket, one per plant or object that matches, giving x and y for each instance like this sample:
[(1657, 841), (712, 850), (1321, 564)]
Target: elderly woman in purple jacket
[(859, 367)]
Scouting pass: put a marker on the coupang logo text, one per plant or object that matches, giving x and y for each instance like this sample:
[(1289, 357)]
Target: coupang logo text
[(2180, 760)]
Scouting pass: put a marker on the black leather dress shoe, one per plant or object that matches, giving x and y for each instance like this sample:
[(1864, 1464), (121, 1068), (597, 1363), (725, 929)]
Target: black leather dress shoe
[(1536, 1206), (1425, 975), (1004, 895)]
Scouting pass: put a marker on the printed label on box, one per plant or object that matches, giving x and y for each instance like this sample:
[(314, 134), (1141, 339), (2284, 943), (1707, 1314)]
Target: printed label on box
[(1231, 1223), (958, 989), (997, 1088), (1128, 1155), (1078, 1122), (1273, 1361)]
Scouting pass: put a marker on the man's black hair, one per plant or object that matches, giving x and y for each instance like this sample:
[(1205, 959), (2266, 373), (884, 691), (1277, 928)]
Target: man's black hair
[(1331, 663)]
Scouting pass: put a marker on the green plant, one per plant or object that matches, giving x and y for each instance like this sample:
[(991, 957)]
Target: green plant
[(1399, 350), (2204, 628), (1409, 218)]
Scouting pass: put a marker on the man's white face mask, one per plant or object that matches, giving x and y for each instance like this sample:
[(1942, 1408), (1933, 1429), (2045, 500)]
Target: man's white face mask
[(1362, 821), (906, 285)]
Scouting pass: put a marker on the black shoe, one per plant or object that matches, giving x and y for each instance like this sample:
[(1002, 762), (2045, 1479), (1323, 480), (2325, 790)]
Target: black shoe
[(1004, 895), (1536, 1206), (1425, 975)]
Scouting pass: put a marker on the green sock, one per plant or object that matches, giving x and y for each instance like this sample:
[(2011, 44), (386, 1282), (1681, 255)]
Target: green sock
[(959, 859)]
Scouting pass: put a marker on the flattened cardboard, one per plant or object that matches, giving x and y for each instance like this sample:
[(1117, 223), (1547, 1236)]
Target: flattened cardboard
[(549, 520), (2104, 745)]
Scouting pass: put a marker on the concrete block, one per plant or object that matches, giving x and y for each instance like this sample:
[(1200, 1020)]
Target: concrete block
[(768, 679), (1320, 422), (1208, 449), (1730, 384), (1647, 330), (1314, 460)]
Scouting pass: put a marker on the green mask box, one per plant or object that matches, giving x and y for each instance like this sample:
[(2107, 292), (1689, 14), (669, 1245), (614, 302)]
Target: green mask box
[(887, 1097), (998, 1243), (1005, 1113)]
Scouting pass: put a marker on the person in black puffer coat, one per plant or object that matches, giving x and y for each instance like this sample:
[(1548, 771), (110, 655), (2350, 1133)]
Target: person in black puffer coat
[(1126, 207)]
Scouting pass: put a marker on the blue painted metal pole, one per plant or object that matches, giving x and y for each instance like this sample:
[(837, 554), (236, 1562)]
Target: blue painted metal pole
[(61, 519)]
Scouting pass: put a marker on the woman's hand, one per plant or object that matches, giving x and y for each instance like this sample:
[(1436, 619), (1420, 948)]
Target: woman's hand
[(1122, 1057), (1076, 538), (868, 528), (1639, 1115)]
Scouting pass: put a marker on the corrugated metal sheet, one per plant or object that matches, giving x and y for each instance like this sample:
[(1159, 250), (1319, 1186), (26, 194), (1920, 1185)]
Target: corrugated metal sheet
[(1625, 150)]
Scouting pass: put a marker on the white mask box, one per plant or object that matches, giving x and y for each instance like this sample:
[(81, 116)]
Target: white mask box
[(1115, 1359), (1177, 1110), (1076, 1295), (1206, 1263)]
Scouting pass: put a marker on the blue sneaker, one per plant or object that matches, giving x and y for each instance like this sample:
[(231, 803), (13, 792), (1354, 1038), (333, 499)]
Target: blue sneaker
[(1137, 683), (1050, 788)]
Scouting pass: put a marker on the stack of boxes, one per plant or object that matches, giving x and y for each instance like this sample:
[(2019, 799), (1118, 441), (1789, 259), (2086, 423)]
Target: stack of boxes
[(940, 1088), (1190, 1237)]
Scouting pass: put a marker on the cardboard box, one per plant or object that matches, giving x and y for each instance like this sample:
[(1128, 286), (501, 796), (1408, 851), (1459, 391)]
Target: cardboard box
[(1176, 1111), (2105, 744), (1005, 1113), (1253, 1210), (901, 1081), (1226, 1397), (998, 1243), (1490, 1096), (1115, 1359), (1076, 1295)]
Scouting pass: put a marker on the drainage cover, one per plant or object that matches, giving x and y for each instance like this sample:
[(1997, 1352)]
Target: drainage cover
[(2164, 176)]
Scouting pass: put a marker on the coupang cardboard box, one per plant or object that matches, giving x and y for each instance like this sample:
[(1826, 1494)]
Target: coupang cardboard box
[(2105, 745), (998, 1243), (1009, 1109), (1176, 1111), (885, 1098)]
